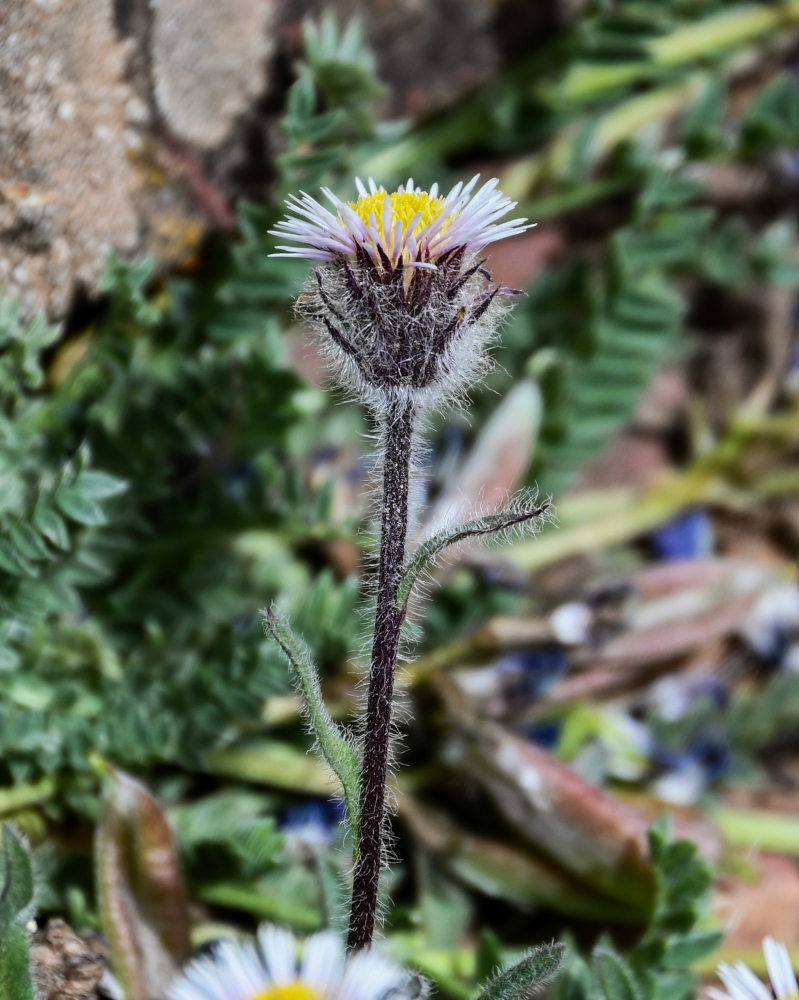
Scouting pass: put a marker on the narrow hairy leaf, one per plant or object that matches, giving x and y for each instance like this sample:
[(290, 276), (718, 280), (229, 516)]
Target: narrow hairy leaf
[(334, 745), (523, 979), (142, 897), (15, 971), (511, 516), (16, 895)]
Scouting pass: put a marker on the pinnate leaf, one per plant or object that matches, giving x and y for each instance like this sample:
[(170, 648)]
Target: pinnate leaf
[(613, 976)]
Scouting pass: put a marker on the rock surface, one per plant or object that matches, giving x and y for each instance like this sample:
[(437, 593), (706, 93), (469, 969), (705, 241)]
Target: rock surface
[(74, 179), (65, 967), (132, 125)]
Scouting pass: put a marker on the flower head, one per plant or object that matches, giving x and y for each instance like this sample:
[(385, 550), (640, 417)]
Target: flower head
[(399, 294), (278, 968), (408, 228), (743, 984)]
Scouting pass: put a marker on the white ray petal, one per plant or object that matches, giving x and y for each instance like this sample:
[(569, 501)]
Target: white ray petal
[(780, 970)]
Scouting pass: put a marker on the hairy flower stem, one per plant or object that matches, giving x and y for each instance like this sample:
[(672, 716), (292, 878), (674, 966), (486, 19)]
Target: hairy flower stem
[(398, 443)]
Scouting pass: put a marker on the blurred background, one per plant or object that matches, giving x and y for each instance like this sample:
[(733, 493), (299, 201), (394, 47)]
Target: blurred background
[(171, 461)]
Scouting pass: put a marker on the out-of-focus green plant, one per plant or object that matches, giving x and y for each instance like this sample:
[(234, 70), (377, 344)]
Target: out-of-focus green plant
[(148, 499), (658, 967), (601, 330), (16, 908)]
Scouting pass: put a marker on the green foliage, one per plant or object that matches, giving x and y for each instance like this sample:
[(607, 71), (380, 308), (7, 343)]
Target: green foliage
[(772, 119), (150, 502), (592, 105), (328, 108), (612, 978), (52, 501), (16, 907), (229, 834), (603, 330), (760, 718), (658, 967), (755, 720), (613, 58)]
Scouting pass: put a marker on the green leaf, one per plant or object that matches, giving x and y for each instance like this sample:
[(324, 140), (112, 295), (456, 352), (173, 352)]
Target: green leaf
[(51, 525), (80, 508), (490, 955), (521, 512), (523, 979), (16, 906), (98, 485), (613, 977), (685, 952), (773, 255), (573, 979), (302, 98), (673, 986), (333, 744), (772, 119), (702, 127), (16, 895), (26, 540), (11, 561), (445, 908), (15, 970)]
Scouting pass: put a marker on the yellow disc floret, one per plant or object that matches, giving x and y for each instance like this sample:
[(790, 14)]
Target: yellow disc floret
[(405, 205), (289, 991)]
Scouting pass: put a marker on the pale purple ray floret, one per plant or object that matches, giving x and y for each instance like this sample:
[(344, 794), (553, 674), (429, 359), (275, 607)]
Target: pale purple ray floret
[(388, 227)]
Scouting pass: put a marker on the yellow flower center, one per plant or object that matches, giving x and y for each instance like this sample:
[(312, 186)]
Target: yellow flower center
[(289, 991), (404, 206)]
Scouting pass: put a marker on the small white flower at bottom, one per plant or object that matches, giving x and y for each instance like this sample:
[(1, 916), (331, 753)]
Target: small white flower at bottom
[(278, 967), (743, 984)]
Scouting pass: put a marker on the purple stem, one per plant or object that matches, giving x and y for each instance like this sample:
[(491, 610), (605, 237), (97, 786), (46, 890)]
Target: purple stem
[(389, 618)]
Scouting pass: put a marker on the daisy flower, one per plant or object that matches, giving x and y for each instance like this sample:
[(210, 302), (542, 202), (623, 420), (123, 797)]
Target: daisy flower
[(277, 967), (409, 227), (742, 984), (399, 294)]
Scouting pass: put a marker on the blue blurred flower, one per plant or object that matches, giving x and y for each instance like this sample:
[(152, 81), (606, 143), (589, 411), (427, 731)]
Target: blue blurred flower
[(311, 824), (689, 536), (528, 673), (545, 734), (672, 697), (686, 774), (771, 628), (713, 754)]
